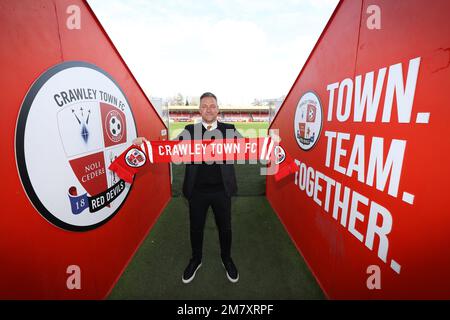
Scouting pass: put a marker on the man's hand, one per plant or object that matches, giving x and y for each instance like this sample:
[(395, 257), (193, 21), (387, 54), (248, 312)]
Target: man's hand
[(145, 146), (139, 140)]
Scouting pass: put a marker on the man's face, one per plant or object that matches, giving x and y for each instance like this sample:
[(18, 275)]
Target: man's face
[(209, 109)]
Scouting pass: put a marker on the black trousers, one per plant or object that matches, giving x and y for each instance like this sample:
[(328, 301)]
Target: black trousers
[(198, 208)]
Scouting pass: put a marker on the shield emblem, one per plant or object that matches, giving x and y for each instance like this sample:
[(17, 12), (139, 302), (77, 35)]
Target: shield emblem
[(135, 158), (302, 132), (280, 154), (311, 113), (74, 122), (93, 134)]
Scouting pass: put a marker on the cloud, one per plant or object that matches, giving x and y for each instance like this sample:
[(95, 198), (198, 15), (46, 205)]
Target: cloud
[(238, 49)]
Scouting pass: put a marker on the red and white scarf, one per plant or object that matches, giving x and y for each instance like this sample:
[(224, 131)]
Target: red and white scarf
[(237, 150)]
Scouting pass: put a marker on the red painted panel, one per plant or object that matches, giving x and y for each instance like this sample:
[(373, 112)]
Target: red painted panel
[(400, 226), (36, 253)]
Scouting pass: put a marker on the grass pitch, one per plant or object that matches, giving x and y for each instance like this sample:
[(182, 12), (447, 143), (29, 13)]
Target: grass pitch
[(247, 129)]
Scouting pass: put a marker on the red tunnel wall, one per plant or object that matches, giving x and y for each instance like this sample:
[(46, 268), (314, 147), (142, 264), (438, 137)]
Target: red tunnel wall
[(34, 253), (420, 231)]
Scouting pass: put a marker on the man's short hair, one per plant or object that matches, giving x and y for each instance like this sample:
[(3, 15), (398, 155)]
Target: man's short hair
[(208, 94)]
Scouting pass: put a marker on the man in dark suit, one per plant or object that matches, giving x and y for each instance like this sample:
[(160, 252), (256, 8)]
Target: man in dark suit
[(209, 184)]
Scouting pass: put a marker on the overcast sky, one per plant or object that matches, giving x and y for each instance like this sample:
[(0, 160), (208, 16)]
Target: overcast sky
[(238, 49)]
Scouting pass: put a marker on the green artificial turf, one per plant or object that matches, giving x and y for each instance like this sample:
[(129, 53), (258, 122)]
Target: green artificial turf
[(269, 265), (247, 129)]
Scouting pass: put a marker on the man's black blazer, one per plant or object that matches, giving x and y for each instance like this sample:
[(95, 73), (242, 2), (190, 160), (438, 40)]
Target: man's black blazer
[(195, 132)]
